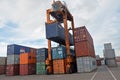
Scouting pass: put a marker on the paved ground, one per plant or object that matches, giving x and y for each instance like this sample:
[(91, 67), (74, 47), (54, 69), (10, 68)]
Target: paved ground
[(102, 73)]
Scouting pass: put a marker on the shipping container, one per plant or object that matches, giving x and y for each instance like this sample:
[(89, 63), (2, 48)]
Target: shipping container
[(32, 50), (12, 70), (82, 34), (111, 62), (55, 32), (27, 69), (13, 59), (41, 68), (59, 66), (84, 49), (2, 69), (107, 46), (16, 49), (27, 58), (58, 52), (109, 53), (98, 62), (41, 54), (85, 64), (2, 61)]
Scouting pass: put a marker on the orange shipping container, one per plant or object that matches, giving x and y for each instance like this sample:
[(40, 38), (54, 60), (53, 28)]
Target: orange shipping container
[(32, 50), (59, 66), (27, 58)]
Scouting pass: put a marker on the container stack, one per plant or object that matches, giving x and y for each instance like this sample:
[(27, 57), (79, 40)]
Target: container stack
[(28, 62), (98, 60), (13, 53), (84, 48), (59, 61), (109, 55), (41, 56), (2, 65)]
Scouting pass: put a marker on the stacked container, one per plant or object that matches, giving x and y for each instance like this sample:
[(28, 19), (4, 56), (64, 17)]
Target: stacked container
[(28, 62), (41, 56), (2, 65), (13, 53), (84, 48), (109, 55), (98, 60), (59, 61)]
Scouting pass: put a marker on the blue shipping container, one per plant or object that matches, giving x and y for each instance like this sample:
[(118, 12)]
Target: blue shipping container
[(55, 32), (41, 54), (15, 49), (58, 52)]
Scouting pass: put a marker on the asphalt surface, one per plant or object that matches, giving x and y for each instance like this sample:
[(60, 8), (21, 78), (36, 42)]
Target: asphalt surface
[(102, 73)]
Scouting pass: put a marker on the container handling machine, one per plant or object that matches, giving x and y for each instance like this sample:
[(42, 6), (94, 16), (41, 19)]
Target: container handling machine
[(60, 14)]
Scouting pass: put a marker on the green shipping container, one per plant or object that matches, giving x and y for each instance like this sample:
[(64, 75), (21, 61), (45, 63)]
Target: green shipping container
[(41, 68)]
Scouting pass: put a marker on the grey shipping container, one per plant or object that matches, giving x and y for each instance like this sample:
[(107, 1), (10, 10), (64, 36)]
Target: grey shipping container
[(107, 46), (13, 59), (111, 62), (2, 61), (109, 53), (55, 32), (86, 64)]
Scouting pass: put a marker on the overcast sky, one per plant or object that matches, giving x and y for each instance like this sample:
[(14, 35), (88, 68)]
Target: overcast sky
[(23, 22)]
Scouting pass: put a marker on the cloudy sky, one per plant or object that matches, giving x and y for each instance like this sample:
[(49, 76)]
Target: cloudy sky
[(23, 22)]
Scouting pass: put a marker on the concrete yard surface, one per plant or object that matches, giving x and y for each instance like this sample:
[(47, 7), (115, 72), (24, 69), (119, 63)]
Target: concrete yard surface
[(102, 73)]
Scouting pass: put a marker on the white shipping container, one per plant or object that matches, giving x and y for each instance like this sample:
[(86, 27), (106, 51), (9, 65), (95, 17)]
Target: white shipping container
[(107, 46), (13, 59), (109, 53), (2, 61), (111, 62), (86, 64)]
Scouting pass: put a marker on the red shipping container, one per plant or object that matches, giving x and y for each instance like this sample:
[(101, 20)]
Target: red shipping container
[(82, 34), (27, 58), (27, 69), (32, 50), (12, 70), (83, 48), (98, 62), (2, 69)]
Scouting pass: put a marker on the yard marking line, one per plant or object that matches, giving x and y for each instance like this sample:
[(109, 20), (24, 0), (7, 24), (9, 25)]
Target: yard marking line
[(94, 75), (111, 73)]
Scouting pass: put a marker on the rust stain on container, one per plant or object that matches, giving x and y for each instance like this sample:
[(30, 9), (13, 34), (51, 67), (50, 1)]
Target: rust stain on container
[(27, 69), (12, 70), (59, 66), (27, 58)]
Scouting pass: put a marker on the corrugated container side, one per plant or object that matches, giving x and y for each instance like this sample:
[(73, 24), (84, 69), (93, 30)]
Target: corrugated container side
[(58, 52), (41, 54), (109, 53), (111, 62), (41, 68), (59, 66), (13, 59), (85, 64), (2, 61), (55, 32), (82, 34), (27, 58), (12, 70), (107, 46), (2, 69), (15, 49), (27, 69), (84, 49)]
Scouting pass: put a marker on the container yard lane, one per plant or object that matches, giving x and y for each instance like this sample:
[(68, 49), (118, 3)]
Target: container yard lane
[(104, 73)]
